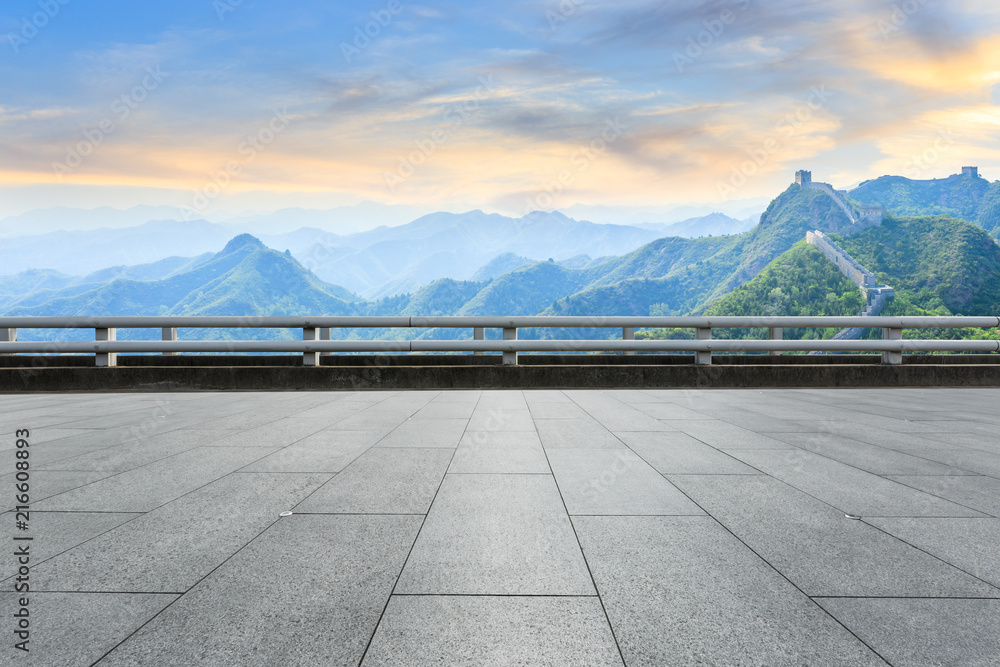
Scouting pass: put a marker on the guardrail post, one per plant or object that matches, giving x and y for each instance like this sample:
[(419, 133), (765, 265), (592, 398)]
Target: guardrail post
[(510, 358), (8, 336), (478, 333), (703, 358), (628, 333), (105, 359), (324, 334), (775, 333), (169, 333), (309, 358), (892, 333)]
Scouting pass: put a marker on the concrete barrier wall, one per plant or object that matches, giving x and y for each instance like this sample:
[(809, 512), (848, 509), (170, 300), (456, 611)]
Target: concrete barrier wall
[(764, 373)]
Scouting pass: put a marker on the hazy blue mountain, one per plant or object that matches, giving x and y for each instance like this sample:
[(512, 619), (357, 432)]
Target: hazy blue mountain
[(341, 220), (675, 274), (32, 280), (245, 278), (503, 263), (85, 251), (740, 209), (713, 224), (152, 271), (36, 287), (299, 241), (338, 220), (584, 261), (47, 220), (390, 260), (377, 263)]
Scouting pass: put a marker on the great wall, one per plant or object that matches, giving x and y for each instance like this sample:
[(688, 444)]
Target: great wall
[(862, 217), (867, 216), (876, 296)]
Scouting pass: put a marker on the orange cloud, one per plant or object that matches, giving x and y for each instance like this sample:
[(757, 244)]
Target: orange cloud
[(970, 69)]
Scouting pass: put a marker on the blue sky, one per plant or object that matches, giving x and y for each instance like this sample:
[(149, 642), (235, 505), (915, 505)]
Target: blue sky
[(500, 106)]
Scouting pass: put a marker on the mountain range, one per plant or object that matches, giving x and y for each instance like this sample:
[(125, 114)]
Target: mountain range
[(383, 261), (972, 199), (340, 220), (551, 264)]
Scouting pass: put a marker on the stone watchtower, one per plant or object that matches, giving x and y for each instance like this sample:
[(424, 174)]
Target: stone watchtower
[(803, 177), (971, 172), (871, 215)]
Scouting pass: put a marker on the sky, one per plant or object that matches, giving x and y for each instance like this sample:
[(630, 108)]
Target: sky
[(210, 105)]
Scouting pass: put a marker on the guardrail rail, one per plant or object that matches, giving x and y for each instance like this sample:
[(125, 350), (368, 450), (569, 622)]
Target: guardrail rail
[(316, 335)]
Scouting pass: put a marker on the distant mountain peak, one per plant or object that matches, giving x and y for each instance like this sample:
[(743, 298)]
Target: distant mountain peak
[(240, 242), (549, 215)]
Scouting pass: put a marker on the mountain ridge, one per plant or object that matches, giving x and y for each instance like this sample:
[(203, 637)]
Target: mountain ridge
[(666, 276)]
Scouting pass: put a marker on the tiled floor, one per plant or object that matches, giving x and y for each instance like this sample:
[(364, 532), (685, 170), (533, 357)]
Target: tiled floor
[(791, 527)]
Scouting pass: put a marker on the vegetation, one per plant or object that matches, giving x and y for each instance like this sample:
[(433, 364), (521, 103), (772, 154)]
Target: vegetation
[(800, 282), (933, 261), (527, 290), (499, 265), (989, 211), (937, 264), (974, 200)]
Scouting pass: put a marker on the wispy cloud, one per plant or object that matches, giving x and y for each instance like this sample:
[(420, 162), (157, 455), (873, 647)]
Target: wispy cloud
[(745, 65)]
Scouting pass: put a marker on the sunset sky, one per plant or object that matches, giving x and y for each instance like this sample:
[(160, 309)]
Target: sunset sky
[(504, 106)]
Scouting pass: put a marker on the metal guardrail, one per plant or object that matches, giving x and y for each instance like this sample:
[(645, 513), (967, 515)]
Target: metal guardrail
[(316, 335)]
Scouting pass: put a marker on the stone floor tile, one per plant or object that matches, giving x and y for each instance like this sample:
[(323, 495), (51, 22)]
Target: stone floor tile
[(71, 629), (497, 535), (419, 630), (849, 489), (679, 453), (683, 591), (942, 633), (279, 601), (614, 481), (383, 481), (171, 548)]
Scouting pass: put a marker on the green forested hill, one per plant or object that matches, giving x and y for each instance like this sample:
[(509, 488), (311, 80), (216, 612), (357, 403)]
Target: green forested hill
[(527, 290), (938, 265), (801, 281), (245, 278), (989, 210), (441, 297), (785, 222), (686, 275), (974, 200), (933, 261), (628, 297)]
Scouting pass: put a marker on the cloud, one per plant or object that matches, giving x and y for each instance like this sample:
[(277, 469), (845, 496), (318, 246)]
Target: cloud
[(555, 84)]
